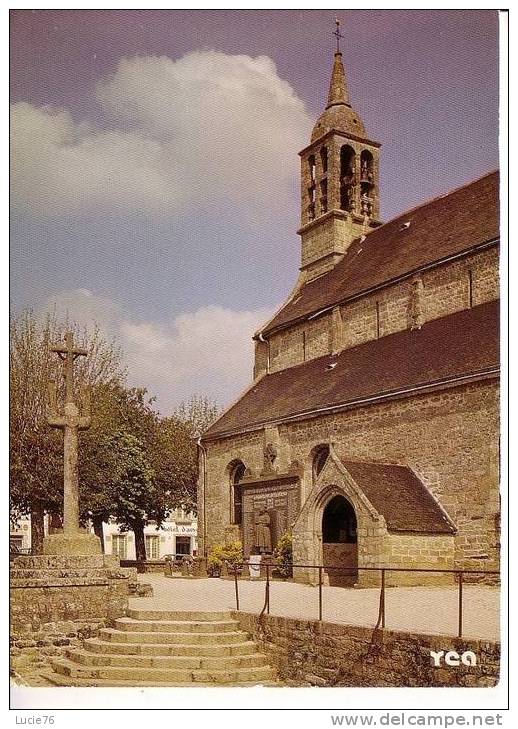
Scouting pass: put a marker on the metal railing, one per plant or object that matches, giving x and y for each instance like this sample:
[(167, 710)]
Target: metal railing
[(352, 571)]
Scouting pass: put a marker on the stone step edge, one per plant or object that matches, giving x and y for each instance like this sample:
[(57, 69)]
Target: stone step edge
[(224, 661), (72, 667), (180, 615), (92, 654), (165, 646), (175, 623), (58, 679), (171, 632)]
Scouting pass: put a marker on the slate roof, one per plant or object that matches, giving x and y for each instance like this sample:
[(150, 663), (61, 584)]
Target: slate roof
[(464, 344), (443, 227), (400, 497)]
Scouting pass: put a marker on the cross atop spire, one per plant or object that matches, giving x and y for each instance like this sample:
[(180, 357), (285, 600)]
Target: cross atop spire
[(338, 35), (338, 92)]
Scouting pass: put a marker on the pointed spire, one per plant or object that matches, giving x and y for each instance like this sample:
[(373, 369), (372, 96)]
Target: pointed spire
[(338, 92)]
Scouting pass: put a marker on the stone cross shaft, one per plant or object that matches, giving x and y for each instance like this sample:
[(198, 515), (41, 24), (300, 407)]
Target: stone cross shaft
[(71, 421)]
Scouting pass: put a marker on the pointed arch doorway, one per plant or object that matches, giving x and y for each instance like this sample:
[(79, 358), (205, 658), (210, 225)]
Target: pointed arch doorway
[(340, 542)]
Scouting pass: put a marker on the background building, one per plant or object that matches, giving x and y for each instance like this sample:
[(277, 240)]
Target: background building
[(177, 537)]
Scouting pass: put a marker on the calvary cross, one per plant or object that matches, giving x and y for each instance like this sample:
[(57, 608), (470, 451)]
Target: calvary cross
[(69, 354), (71, 421)]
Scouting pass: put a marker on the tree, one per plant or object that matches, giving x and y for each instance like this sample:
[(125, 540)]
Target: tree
[(174, 452), (36, 450), (117, 409), (197, 414), (129, 485)]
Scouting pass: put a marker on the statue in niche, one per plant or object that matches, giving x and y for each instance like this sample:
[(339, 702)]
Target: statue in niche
[(262, 532), (269, 456)]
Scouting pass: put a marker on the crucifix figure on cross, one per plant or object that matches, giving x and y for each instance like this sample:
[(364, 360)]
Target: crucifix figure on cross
[(71, 421)]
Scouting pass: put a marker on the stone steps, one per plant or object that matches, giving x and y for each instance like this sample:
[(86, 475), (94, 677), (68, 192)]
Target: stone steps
[(175, 615), (176, 626), (155, 636), (150, 648), (208, 650), (172, 676), (88, 658), (57, 679)]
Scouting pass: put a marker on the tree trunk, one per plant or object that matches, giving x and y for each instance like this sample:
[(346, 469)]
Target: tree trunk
[(37, 529), (97, 522), (140, 542)]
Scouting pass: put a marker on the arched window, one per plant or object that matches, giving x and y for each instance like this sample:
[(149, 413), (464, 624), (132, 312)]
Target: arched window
[(347, 178), (237, 472), (320, 457), (312, 187), (366, 182), (323, 159), (366, 163)]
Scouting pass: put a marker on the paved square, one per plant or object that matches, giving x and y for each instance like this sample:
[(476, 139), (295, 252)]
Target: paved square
[(430, 610)]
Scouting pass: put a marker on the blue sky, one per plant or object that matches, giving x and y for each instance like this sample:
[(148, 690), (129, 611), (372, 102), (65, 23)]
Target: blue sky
[(155, 176)]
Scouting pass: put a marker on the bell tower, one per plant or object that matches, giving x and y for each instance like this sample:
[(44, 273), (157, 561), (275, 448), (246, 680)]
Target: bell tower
[(339, 179)]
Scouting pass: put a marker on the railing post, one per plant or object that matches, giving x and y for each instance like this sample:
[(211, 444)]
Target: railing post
[(320, 594), (236, 587), (267, 589), (383, 598), (381, 611), (461, 575)]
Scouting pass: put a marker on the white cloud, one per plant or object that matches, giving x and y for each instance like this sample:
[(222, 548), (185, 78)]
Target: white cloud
[(208, 351), (208, 128)]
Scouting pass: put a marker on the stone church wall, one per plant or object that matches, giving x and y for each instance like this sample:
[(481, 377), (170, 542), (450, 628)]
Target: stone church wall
[(449, 438), (445, 290)]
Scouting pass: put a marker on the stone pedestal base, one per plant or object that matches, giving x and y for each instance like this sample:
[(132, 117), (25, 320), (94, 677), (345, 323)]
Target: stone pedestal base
[(53, 589), (79, 544)]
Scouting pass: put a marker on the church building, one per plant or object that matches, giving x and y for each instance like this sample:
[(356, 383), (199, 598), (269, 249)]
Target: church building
[(371, 428)]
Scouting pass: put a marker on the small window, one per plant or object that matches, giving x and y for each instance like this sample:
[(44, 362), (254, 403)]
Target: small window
[(152, 546), (120, 546), (183, 546)]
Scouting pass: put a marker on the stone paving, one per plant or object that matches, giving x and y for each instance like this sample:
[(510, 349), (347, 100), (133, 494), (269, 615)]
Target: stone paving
[(430, 610)]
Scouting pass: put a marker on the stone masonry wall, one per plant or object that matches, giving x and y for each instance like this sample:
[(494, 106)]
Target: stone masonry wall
[(32, 606), (309, 653), (449, 438), (33, 650), (445, 290)]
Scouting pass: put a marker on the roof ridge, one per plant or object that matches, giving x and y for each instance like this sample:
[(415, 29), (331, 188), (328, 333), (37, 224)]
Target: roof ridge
[(431, 200)]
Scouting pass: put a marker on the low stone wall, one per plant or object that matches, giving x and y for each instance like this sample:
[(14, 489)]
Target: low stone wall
[(309, 653), (157, 566), (91, 602), (31, 651)]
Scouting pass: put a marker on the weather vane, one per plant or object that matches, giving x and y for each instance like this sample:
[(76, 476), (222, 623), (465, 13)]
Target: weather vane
[(338, 35)]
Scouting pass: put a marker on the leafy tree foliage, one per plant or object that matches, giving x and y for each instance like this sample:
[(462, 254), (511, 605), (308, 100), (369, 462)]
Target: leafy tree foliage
[(175, 451), (128, 483), (133, 464), (36, 458)]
